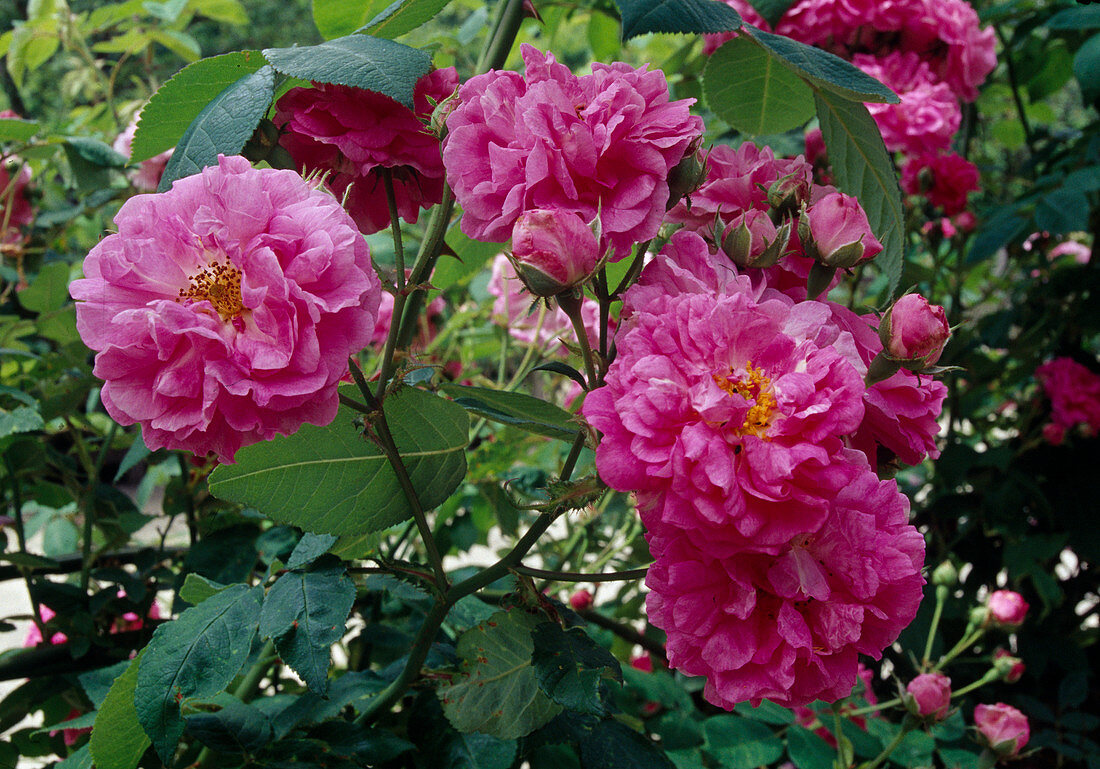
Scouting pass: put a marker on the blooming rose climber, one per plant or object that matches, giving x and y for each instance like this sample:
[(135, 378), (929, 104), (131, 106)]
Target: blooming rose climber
[(1074, 393), (1002, 728), (223, 311), (945, 180), (601, 145), (351, 134)]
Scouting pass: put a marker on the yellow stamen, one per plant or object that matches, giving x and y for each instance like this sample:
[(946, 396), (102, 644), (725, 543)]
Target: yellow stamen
[(220, 284), (753, 386)]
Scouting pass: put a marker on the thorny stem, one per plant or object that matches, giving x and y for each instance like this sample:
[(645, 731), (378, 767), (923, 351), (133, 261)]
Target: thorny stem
[(578, 576), (502, 37)]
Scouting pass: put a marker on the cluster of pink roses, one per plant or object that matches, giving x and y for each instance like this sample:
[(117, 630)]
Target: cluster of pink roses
[(1074, 393)]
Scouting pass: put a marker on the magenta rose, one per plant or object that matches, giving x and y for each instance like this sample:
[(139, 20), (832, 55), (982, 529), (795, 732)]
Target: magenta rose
[(929, 696), (914, 332), (836, 232), (1007, 609), (553, 250), (581, 600), (945, 180), (223, 311), (1002, 728)]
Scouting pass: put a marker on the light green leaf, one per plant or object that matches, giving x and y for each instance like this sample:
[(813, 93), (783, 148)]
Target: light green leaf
[(403, 16), (337, 18), (225, 11), (21, 419), (197, 588), (686, 16), (516, 409), (472, 256), (497, 692), (17, 130), (603, 36), (81, 758), (739, 743), (752, 91), (223, 126), (361, 61), (50, 289), (179, 43), (863, 168), (118, 741), (333, 480)]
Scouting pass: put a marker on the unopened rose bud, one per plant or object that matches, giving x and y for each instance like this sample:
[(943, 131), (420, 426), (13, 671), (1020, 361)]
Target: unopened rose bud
[(914, 332), (836, 233), (752, 240), (1006, 609), (687, 175), (788, 193), (438, 122), (928, 696), (1001, 728), (553, 250), (581, 600), (966, 221), (945, 574), (1010, 668)]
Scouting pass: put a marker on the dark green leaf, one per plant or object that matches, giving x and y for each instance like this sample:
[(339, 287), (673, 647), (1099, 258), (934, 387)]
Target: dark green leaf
[(356, 688), (97, 683), (403, 16), (197, 655), (823, 69), (753, 91), (771, 10), (223, 127), (864, 169), (807, 750), (1003, 227), (468, 612), (516, 409), (372, 63), (955, 758), (497, 692), (304, 614), (570, 666), (560, 368), (95, 152), (179, 101), (50, 289), (81, 758), (613, 745), (687, 16), (233, 727), (29, 560), (333, 480), (309, 548), (739, 743), (197, 588), (118, 741), (766, 711), (137, 452), (1086, 68), (1075, 18), (477, 751)]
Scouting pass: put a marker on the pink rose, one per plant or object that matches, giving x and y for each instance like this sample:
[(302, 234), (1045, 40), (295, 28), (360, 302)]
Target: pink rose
[(581, 600), (1002, 728), (1010, 667), (1007, 609), (1074, 394), (836, 232), (929, 696), (147, 176), (553, 250), (945, 180), (914, 332)]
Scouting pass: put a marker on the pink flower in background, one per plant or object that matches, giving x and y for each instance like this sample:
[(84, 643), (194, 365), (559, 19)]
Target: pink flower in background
[(788, 626), (929, 696), (351, 133), (1002, 728), (427, 327), (601, 144), (147, 176), (15, 208), (553, 250), (34, 635), (1074, 393), (581, 600), (1079, 251), (223, 311), (1007, 609), (945, 180)]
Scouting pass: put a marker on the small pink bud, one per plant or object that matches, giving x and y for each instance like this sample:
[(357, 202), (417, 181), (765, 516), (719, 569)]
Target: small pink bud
[(553, 250), (929, 696), (966, 221), (581, 600), (835, 231), (1002, 728), (1006, 609), (642, 662), (914, 332), (788, 193), (1011, 668), (752, 240)]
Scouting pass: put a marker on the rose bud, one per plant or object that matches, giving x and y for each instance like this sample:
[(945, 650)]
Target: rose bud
[(1002, 728), (914, 332), (1011, 668), (788, 193), (836, 233), (581, 600), (928, 696), (553, 250), (752, 240), (687, 175), (1006, 609)]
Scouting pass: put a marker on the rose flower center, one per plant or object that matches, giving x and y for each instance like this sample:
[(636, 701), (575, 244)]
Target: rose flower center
[(220, 284), (755, 387)]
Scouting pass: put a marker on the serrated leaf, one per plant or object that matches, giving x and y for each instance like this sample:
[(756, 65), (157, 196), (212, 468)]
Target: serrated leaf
[(304, 614), (97, 683), (752, 91), (478, 751), (309, 548), (81, 758), (497, 692), (613, 745), (686, 16), (118, 741), (333, 480), (17, 129), (570, 666), (739, 743), (197, 655), (21, 419), (223, 127), (807, 750), (403, 16), (516, 409), (372, 63), (179, 43), (771, 10), (197, 588), (863, 168), (50, 289), (823, 69), (234, 727)]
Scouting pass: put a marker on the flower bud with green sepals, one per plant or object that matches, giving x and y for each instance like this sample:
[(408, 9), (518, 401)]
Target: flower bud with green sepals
[(553, 250)]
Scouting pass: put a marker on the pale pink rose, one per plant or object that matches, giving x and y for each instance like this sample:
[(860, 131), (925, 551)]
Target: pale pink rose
[(553, 250), (351, 134), (914, 331), (1079, 251), (1011, 667), (929, 696), (839, 231), (945, 180), (966, 221), (598, 145), (147, 176), (1007, 609), (581, 600), (1002, 728), (224, 310)]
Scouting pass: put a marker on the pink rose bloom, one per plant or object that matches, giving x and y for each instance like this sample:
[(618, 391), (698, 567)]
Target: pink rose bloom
[(223, 311), (1007, 609), (1079, 251), (788, 626), (929, 696), (1074, 393), (1002, 728), (553, 250), (839, 231), (945, 180), (581, 600), (34, 635), (914, 331), (15, 208), (427, 325), (147, 176), (351, 133), (602, 144)]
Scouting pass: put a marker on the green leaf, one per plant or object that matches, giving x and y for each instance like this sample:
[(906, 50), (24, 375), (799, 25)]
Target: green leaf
[(766, 711), (337, 18), (739, 743), (603, 36), (50, 289), (497, 692), (197, 655), (233, 727), (823, 69), (223, 127), (1075, 18), (309, 548), (333, 480), (752, 91), (118, 741), (516, 409), (28, 560), (771, 10), (863, 168), (95, 152), (226, 11), (478, 751), (687, 16), (197, 588), (613, 745), (16, 129), (21, 419), (570, 666), (304, 614), (97, 683), (372, 63), (81, 758), (179, 101), (1086, 68), (403, 16), (472, 256), (807, 750), (179, 43)]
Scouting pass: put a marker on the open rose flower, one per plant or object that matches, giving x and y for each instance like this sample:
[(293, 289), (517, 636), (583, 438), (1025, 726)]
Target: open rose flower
[(1074, 393), (945, 180), (223, 311), (1002, 728)]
